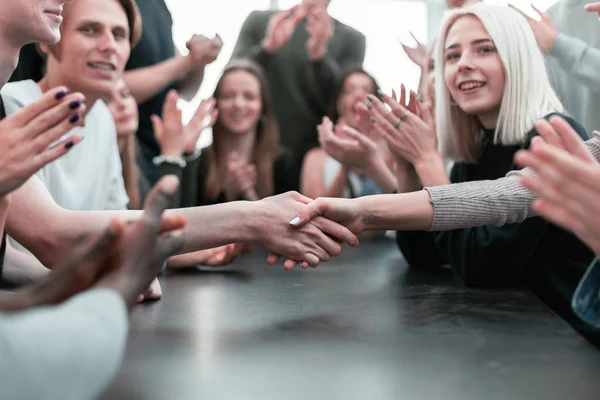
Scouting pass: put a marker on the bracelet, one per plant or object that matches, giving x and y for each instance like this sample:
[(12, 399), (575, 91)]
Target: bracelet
[(169, 160), (189, 157)]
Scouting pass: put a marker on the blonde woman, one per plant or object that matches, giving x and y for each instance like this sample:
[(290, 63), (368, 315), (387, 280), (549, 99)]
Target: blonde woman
[(489, 94)]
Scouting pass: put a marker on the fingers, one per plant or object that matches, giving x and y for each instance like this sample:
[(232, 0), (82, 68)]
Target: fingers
[(160, 197), (425, 111), (312, 210), (571, 140), (55, 152), (412, 103), (48, 100), (273, 258), (171, 223), (539, 12), (527, 17), (358, 136), (592, 7), (335, 230), (157, 126), (171, 113), (169, 244), (56, 120), (558, 215)]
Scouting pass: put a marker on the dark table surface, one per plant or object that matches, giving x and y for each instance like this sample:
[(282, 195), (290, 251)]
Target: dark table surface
[(362, 326)]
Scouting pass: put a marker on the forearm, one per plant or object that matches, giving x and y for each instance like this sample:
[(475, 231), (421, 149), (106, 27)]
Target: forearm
[(190, 84), (43, 349), (406, 179), (145, 83), (21, 268), (384, 178), (431, 170), (130, 172), (407, 211), (578, 58), (335, 188)]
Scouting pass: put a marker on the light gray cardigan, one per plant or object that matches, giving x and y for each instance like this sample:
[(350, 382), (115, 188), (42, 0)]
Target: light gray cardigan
[(493, 202)]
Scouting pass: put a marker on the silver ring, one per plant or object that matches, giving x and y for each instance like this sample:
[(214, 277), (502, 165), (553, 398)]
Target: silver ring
[(398, 122), (402, 118)]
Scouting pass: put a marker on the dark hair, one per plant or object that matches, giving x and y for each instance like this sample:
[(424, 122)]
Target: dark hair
[(334, 115)]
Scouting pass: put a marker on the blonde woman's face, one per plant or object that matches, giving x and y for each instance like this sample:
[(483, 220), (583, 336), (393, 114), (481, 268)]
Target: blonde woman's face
[(473, 70)]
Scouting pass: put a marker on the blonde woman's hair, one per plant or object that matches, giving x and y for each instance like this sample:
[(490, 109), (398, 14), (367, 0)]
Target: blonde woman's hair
[(528, 95)]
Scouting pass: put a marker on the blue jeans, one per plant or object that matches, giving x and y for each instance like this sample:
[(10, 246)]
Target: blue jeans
[(586, 300)]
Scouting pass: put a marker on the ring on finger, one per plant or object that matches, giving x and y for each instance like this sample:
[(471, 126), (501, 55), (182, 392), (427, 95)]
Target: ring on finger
[(398, 122), (402, 118)]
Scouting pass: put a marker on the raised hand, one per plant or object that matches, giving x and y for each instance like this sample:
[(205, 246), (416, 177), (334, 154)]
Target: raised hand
[(544, 30), (241, 179), (146, 244), (418, 54), (593, 7), (202, 50), (281, 27), (567, 181), (87, 261), (320, 30), (409, 136), (29, 136), (198, 122), (169, 130), (348, 146)]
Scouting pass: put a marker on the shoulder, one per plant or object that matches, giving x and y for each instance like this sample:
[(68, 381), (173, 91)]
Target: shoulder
[(571, 121), (348, 33), (17, 95), (102, 116), (314, 156), (259, 17)]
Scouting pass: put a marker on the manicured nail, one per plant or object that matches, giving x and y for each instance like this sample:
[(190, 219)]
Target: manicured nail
[(370, 96), (295, 221), (69, 144), (74, 118), (60, 94), (380, 93), (74, 104), (368, 104)]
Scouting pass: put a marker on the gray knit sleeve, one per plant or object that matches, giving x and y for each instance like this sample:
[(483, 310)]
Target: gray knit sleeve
[(498, 202)]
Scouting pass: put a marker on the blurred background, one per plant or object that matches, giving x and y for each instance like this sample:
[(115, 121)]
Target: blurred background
[(384, 23)]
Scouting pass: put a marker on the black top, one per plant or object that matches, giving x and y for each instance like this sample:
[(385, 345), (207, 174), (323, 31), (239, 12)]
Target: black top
[(31, 65), (156, 45), (193, 179), (545, 256)]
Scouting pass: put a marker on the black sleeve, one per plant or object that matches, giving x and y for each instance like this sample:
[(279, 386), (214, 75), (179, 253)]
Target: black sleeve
[(285, 172), (495, 255), (419, 249), (31, 65)]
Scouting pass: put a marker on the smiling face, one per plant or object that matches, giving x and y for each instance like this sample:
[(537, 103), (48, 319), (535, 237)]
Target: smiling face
[(124, 110), (239, 102), (94, 48), (354, 91), (33, 20), (473, 70)]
